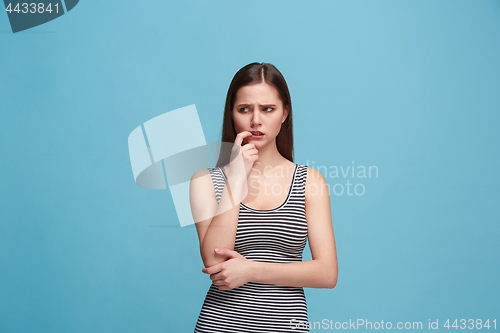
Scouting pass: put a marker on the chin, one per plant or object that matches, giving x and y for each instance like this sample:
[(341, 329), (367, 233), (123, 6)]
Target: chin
[(257, 142)]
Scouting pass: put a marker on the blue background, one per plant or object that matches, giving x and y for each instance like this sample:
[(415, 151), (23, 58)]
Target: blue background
[(411, 87)]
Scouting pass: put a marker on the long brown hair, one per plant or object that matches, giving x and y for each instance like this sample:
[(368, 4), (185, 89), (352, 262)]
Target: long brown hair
[(255, 73)]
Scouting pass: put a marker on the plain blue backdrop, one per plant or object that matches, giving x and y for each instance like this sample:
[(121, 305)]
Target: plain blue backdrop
[(411, 87)]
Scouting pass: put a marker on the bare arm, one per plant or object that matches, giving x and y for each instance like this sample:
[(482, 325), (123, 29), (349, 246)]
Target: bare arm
[(322, 270), (216, 224)]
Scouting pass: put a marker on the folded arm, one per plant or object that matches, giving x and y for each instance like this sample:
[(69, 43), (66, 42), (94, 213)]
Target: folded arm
[(320, 272), (216, 223)]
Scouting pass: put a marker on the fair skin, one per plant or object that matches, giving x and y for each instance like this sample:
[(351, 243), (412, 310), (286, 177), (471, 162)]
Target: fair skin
[(258, 107)]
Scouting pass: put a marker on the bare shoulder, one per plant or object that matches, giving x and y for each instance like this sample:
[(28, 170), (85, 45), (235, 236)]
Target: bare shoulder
[(314, 178), (200, 173), (202, 200), (201, 183), (201, 186), (316, 186)]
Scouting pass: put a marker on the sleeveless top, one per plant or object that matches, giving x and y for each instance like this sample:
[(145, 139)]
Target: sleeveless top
[(276, 235)]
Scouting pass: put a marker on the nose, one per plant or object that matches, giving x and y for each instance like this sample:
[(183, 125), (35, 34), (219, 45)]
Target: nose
[(255, 118)]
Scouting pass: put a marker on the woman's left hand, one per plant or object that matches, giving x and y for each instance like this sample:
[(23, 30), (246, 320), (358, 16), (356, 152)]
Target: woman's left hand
[(232, 273)]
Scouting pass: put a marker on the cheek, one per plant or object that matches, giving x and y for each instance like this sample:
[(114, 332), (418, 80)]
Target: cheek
[(278, 124), (237, 127), (236, 123)]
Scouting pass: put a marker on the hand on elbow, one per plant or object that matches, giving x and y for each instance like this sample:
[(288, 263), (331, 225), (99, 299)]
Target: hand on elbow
[(213, 259), (232, 273)]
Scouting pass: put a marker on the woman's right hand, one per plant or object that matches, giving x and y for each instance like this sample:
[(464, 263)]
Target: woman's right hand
[(242, 158)]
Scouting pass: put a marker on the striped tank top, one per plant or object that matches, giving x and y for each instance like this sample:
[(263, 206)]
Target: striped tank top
[(277, 235)]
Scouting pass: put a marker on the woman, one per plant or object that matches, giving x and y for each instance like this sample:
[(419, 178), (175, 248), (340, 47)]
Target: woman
[(254, 212)]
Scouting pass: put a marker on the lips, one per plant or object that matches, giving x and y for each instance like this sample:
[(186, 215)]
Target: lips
[(257, 135)]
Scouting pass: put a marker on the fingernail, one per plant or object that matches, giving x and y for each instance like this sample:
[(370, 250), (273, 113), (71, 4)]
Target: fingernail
[(217, 250)]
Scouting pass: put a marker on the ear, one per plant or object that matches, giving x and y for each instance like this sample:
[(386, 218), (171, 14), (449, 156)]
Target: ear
[(286, 110)]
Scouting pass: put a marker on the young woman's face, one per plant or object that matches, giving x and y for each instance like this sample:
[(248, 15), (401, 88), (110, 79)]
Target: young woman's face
[(258, 107)]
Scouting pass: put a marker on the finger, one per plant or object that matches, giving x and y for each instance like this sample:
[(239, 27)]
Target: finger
[(205, 268), (253, 152), (240, 136), (248, 146), (226, 252), (212, 269), (219, 282), (255, 161), (216, 276)]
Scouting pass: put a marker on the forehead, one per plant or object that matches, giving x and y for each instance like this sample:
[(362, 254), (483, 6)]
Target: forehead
[(261, 93)]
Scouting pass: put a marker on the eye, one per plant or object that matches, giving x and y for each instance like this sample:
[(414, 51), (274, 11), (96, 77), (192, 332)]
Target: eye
[(242, 110), (269, 109)]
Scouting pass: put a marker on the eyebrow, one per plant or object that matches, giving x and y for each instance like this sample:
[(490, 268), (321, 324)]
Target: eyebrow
[(268, 105)]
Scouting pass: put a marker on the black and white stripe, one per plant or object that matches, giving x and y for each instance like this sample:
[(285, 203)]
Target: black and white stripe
[(278, 235)]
